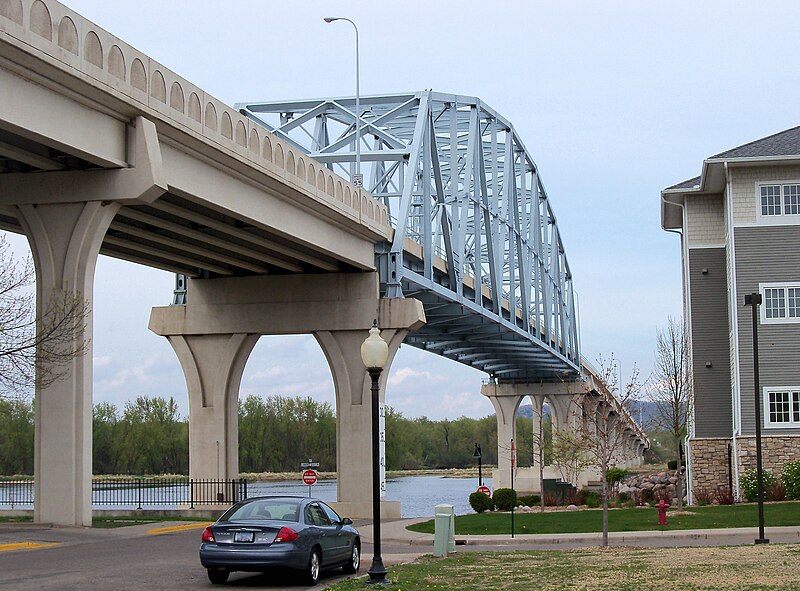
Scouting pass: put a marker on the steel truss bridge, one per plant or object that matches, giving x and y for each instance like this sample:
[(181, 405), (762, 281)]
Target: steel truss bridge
[(475, 237)]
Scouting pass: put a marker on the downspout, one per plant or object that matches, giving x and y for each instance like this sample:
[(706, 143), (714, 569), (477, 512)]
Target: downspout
[(687, 326), (736, 418)]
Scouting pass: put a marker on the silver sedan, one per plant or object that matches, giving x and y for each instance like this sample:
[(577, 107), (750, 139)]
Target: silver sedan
[(261, 533)]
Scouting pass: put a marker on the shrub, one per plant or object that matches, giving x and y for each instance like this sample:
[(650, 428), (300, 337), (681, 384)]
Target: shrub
[(672, 465), (724, 496), (646, 496), (480, 502), (616, 474), (588, 497), (505, 499), (624, 497), (749, 482), (703, 496), (791, 480), (529, 500), (775, 492), (551, 499)]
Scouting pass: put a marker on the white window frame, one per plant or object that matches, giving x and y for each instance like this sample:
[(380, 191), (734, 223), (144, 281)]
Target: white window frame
[(785, 286), (782, 217), (766, 391)]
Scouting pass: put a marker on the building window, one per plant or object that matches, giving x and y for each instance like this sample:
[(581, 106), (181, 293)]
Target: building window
[(782, 407), (781, 302), (779, 200)]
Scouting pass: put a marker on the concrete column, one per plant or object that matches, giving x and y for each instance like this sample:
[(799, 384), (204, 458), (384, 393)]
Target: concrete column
[(213, 366), (352, 384), (505, 408), (65, 240)]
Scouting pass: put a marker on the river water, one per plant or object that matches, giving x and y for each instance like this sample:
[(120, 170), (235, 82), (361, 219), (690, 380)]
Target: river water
[(418, 495)]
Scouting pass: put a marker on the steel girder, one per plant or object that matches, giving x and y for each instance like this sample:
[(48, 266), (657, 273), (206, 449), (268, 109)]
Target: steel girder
[(475, 237)]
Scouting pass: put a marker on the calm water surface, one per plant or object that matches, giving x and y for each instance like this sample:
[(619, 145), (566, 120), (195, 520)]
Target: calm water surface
[(418, 495)]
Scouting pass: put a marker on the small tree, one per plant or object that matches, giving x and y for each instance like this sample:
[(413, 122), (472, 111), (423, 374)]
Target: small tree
[(602, 422), (671, 389), (569, 454), (36, 346)]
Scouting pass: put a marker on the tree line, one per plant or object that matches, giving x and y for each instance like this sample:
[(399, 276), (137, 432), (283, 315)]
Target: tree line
[(276, 434)]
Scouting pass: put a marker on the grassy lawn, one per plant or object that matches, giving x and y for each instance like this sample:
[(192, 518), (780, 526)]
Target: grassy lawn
[(754, 568), (636, 519)]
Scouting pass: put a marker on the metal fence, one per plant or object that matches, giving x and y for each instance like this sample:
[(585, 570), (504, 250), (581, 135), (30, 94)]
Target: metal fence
[(140, 492)]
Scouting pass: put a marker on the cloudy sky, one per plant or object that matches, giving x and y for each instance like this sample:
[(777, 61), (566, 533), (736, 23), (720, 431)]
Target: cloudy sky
[(615, 100)]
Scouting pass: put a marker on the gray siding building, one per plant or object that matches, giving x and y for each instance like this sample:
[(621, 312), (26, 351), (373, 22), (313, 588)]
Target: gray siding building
[(739, 224)]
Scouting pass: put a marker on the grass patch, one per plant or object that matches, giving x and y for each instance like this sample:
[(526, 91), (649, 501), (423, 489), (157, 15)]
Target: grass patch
[(16, 518), (767, 568), (112, 522), (635, 519)]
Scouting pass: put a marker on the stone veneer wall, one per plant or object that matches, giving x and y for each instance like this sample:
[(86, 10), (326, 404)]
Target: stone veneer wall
[(709, 461), (710, 457), (775, 452)]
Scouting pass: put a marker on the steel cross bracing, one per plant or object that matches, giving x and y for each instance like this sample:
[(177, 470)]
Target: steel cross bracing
[(471, 220)]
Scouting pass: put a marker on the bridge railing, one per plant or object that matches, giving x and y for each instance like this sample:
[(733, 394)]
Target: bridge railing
[(139, 492)]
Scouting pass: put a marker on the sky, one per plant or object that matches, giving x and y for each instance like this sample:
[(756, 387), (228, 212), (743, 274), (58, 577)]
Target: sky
[(614, 100)]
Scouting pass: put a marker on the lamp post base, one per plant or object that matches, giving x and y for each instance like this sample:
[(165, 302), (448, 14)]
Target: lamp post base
[(377, 573), (762, 541)]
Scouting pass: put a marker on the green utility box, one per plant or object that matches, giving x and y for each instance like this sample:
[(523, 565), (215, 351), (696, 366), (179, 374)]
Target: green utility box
[(444, 539)]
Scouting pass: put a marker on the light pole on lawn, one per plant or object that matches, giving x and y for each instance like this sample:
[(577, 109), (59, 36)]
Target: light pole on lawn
[(357, 179), (754, 300), (477, 454), (374, 354)]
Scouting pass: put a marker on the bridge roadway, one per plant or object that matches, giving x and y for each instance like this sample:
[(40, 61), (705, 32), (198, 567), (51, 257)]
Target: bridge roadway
[(103, 150)]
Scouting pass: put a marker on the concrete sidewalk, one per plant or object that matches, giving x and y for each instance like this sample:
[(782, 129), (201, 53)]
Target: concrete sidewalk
[(395, 532)]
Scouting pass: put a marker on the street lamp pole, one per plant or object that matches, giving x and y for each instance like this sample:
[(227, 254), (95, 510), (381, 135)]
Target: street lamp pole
[(477, 454), (357, 179), (754, 300), (374, 354)]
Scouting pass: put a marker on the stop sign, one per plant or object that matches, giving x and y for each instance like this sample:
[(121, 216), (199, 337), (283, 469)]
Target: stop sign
[(485, 490), (309, 477)]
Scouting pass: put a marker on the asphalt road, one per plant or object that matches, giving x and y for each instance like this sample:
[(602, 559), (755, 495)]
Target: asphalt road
[(124, 558)]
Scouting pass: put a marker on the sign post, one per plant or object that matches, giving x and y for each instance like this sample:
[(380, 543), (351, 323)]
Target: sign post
[(309, 474)]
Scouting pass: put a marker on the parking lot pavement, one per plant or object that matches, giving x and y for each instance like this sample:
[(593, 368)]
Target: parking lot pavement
[(127, 558)]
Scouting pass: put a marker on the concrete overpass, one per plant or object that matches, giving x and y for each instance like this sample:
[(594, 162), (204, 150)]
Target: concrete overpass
[(105, 151)]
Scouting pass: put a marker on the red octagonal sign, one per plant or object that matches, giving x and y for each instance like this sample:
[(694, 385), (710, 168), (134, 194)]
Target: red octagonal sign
[(309, 477)]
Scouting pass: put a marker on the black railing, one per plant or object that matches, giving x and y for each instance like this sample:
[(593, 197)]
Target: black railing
[(15, 493), (141, 492)]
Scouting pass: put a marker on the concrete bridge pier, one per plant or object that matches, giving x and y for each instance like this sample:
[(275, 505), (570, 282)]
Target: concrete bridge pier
[(65, 216), (214, 333), (506, 399), (213, 366)]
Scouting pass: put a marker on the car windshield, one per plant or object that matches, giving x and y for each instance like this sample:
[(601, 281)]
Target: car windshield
[(278, 509)]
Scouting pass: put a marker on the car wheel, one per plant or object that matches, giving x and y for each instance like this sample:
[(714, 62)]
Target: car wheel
[(312, 570), (217, 576), (355, 560)]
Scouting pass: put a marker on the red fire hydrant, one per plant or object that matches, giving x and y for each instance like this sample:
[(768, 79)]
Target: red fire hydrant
[(662, 512)]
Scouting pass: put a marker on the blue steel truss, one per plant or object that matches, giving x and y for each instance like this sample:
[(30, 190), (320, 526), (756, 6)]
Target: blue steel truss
[(471, 218)]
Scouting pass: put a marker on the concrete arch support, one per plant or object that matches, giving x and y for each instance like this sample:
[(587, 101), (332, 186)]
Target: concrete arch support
[(342, 349), (65, 240), (213, 367), (505, 400)]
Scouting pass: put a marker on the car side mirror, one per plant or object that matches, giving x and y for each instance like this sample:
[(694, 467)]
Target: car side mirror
[(347, 521)]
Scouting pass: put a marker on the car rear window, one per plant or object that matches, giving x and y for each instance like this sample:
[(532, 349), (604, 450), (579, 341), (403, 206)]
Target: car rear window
[(280, 510)]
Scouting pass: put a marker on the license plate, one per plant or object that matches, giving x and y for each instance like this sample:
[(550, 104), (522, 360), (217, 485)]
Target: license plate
[(243, 536)]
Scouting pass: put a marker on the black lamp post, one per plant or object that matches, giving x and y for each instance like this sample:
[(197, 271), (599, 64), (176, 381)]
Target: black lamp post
[(754, 300), (477, 454), (374, 354)]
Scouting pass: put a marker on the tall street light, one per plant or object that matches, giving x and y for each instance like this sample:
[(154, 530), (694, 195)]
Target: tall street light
[(374, 354), (357, 179), (754, 300), (477, 454)]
